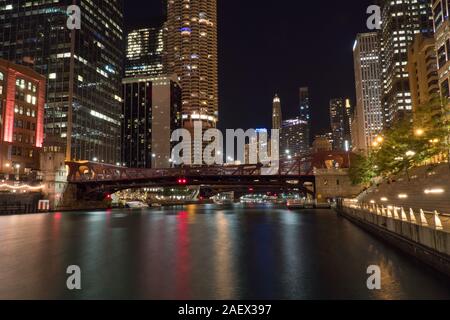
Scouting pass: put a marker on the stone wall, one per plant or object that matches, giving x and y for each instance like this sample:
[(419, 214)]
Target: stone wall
[(425, 243), (409, 191), (19, 203), (334, 183)]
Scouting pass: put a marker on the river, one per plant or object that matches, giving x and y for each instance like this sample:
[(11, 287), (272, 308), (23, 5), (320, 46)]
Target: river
[(204, 252)]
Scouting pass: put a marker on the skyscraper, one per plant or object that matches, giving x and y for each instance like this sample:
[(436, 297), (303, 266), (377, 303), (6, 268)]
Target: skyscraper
[(368, 115), (192, 55), (83, 68), (340, 118), (144, 52), (422, 68), (293, 140), (151, 112), (401, 21), (276, 113), (442, 40), (305, 111)]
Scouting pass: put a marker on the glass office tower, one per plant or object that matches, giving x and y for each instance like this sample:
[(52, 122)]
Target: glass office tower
[(145, 48), (83, 69), (401, 21)]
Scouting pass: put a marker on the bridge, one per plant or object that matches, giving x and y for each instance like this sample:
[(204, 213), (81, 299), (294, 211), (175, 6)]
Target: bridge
[(92, 178)]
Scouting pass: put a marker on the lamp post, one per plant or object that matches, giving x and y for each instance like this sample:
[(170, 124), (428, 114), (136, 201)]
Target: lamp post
[(17, 167), (8, 170)]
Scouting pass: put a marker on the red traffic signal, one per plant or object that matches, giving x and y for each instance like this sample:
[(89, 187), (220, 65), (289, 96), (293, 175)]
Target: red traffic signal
[(182, 181)]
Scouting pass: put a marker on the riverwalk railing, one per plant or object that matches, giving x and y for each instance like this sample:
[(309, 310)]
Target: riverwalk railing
[(433, 220)]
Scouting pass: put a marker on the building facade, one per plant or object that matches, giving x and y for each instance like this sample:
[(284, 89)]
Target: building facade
[(294, 138), (151, 112), (144, 52), (401, 21), (305, 110), (83, 69), (442, 44), (367, 121), (276, 113), (340, 120), (192, 55), (422, 68), (322, 143), (22, 100)]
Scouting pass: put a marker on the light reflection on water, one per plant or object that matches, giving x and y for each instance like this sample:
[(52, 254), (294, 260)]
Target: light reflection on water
[(203, 252)]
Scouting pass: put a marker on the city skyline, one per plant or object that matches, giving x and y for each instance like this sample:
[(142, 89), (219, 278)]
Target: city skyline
[(247, 42), (224, 150)]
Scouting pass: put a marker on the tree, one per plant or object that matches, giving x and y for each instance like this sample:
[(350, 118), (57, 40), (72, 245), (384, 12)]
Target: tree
[(408, 143), (362, 170)]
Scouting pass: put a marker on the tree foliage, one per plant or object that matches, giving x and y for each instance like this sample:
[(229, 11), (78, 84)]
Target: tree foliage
[(408, 143)]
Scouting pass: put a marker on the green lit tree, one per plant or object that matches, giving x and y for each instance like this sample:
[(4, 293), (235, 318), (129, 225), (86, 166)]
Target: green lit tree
[(362, 170), (408, 143)]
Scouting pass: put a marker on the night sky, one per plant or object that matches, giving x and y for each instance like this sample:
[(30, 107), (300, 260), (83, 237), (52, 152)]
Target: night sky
[(268, 47)]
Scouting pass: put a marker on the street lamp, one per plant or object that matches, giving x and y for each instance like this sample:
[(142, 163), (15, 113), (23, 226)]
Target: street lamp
[(17, 166), (419, 132), (8, 170), (434, 141)]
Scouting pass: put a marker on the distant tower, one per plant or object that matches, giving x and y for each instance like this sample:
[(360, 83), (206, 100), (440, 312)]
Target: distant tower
[(276, 113), (144, 52), (305, 111), (340, 123)]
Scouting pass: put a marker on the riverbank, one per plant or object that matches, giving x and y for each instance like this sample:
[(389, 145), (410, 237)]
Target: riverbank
[(425, 243)]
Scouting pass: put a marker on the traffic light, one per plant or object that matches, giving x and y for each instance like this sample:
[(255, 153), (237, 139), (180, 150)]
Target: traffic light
[(182, 181)]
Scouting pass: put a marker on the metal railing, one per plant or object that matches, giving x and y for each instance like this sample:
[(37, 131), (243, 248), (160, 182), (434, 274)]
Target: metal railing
[(427, 219)]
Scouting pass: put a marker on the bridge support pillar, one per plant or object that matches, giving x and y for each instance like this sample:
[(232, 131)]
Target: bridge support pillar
[(71, 201)]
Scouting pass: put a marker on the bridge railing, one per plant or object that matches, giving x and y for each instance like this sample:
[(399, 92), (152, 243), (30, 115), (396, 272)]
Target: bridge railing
[(97, 172), (433, 220)]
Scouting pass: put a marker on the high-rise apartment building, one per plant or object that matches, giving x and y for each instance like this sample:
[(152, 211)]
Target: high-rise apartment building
[(305, 110), (276, 113), (144, 52), (401, 21), (22, 100), (192, 55), (340, 119), (367, 118), (293, 139), (83, 68), (151, 112), (442, 42), (422, 68)]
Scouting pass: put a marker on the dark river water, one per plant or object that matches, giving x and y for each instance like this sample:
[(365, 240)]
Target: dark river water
[(204, 252)]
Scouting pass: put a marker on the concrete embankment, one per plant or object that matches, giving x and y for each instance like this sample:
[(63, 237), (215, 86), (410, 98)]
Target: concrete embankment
[(425, 243), (19, 203)]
